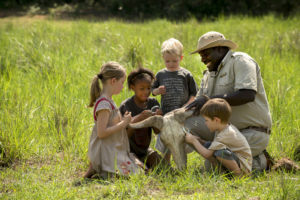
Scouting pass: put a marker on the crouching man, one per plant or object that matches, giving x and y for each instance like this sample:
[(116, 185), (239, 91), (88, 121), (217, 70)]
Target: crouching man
[(235, 77), (229, 149)]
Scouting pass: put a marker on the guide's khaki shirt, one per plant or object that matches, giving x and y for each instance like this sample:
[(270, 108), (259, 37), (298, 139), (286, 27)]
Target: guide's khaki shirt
[(239, 71)]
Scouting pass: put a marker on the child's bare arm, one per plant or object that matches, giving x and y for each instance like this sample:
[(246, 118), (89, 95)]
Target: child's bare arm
[(205, 153), (160, 90), (102, 120), (191, 99), (200, 140)]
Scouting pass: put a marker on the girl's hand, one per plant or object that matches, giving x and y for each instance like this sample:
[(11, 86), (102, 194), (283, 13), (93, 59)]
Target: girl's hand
[(127, 118), (190, 138), (145, 114), (158, 112)]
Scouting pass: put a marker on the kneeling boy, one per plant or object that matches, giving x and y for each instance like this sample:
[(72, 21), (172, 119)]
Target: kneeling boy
[(229, 147)]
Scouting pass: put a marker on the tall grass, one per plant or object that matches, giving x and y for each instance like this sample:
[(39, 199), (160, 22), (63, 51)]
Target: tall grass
[(45, 73)]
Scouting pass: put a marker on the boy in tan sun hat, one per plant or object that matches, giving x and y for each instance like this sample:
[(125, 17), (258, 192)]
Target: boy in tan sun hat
[(235, 77)]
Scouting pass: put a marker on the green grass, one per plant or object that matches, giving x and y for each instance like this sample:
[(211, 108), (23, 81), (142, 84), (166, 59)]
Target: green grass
[(45, 72)]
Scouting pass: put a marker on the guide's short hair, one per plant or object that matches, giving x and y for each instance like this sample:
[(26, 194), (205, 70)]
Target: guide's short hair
[(217, 108), (172, 46)]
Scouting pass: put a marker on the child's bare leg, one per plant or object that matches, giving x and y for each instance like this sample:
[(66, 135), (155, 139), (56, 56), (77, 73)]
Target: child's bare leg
[(216, 164), (167, 157), (154, 159), (231, 165), (90, 172)]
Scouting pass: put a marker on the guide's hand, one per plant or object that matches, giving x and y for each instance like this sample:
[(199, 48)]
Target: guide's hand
[(190, 138), (158, 112), (197, 104), (127, 118), (161, 90), (145, 114)]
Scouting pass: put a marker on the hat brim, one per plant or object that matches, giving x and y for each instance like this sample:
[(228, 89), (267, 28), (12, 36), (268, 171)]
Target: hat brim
[(222, 43)]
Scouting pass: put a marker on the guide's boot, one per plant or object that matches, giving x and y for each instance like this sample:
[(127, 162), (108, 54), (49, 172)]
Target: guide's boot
[(270, 160)]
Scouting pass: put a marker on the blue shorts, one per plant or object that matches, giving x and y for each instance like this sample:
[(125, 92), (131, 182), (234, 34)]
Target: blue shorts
[(226, 154)]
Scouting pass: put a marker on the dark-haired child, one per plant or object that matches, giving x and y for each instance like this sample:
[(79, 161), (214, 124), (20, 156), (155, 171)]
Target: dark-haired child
[(139, 81)]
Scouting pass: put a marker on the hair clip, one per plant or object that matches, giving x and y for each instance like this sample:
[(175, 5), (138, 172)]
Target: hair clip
[(137, 76)]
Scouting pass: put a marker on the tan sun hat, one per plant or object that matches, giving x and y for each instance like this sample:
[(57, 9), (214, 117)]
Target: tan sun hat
[(214, 39)]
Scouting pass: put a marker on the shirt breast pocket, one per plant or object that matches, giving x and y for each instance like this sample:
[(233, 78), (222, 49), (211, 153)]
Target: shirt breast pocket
[(226, 85)]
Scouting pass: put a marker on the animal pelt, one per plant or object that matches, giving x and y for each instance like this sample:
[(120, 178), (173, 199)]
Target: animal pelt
[(286, 164)]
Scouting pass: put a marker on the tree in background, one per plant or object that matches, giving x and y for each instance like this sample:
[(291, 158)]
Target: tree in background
[(180, 9)]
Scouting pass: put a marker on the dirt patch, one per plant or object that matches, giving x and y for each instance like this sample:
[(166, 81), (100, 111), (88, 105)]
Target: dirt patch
[(286, 164)]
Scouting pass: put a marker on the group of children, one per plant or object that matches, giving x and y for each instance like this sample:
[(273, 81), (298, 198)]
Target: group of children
[(115, 149)]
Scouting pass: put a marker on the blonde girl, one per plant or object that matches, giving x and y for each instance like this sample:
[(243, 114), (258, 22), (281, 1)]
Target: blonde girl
[(109, 151)]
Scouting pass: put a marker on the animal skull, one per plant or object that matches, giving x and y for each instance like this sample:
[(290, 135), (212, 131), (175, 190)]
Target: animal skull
[(172, 134)]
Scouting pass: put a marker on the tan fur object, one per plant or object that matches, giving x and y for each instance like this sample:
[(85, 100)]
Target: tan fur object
[(285, 164), (172, 135)]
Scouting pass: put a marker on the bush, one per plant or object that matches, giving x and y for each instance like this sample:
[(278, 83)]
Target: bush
[(180, 9)]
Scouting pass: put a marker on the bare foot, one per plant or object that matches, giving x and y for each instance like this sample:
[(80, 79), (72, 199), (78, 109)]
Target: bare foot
[(90, 172)]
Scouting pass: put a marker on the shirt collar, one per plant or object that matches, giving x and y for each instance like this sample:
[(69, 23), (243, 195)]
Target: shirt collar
[(223, 62), (225, 59)]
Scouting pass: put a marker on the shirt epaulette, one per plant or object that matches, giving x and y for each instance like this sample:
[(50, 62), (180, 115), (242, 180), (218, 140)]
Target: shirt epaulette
[(236, 54)]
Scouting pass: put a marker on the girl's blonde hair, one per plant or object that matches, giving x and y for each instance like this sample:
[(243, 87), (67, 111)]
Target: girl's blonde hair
[(108, 71)]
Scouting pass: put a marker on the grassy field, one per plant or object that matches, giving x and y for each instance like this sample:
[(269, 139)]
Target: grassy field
[(45, 72)]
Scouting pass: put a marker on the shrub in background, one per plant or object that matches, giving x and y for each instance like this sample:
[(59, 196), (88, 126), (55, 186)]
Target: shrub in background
[(175, 10)]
